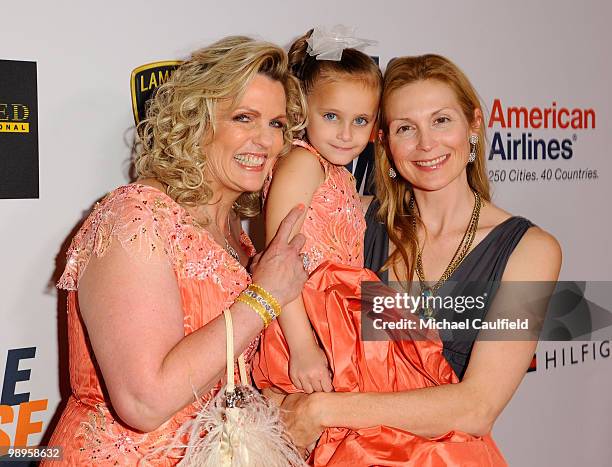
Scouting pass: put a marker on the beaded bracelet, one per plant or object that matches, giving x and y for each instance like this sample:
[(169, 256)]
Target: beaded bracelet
[(267, 296), (261, 311), (266, 306)]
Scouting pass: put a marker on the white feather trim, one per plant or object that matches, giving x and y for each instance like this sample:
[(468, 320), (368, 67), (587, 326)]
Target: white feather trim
[(252, 435)]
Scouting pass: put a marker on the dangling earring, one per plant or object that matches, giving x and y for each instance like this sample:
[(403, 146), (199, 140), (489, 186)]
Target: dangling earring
[(392, 172), (473, 143)]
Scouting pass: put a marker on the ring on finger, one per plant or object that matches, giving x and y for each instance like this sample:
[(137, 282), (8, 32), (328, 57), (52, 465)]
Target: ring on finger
[(305, 261)]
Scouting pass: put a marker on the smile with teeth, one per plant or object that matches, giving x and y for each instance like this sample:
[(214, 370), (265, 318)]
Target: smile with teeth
[(432, 162), (250, 160)]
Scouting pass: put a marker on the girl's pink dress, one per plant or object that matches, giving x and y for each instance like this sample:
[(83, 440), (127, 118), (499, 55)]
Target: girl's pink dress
[(334, 228), (151, 227)]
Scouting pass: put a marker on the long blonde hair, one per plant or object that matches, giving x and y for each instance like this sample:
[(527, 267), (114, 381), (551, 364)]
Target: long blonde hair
[(394, 194), (183, 112)]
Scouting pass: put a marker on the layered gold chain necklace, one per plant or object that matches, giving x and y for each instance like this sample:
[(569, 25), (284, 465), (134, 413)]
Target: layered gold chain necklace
[(460, 254)]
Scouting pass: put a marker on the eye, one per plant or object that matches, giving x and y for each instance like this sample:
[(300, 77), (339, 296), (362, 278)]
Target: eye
[(403, 129), (278, 124), (442, 120), (361, 121), (330, 116), (242, 118)]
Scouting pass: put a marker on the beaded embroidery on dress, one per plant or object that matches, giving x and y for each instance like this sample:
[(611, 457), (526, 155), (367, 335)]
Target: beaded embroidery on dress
[(334, 226)]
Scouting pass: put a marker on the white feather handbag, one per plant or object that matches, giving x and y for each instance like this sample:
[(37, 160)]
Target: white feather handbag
[(242, 428)]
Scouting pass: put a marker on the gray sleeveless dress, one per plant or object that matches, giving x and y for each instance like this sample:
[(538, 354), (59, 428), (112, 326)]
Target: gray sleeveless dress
[(483, 267)]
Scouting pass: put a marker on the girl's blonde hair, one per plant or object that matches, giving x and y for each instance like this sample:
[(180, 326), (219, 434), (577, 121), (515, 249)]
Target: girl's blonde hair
[(182, 113), (394, 194)]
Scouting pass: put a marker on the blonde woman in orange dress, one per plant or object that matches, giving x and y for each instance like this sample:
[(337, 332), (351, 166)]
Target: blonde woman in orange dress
[(156, 262)]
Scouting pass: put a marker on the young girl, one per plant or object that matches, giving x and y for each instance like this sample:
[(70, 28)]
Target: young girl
[(342, 98)]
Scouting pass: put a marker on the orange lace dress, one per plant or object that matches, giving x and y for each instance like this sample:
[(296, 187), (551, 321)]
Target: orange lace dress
[(334, 229), (152, 227)]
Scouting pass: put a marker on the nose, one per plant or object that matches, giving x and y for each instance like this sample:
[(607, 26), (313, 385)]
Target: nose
[(426, 140), (345, 132), (265, 136)]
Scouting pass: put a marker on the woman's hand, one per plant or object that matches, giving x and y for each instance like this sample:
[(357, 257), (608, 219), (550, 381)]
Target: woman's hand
[(302, 416), (280, 269), (309, 370)]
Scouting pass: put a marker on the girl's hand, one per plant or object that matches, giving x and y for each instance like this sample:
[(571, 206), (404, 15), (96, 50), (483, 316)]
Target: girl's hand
[(301, 415), (309, 370)]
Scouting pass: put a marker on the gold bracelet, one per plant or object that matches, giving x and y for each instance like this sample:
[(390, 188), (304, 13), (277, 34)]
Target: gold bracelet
[(271, 310), (258, 307), (268, 297)]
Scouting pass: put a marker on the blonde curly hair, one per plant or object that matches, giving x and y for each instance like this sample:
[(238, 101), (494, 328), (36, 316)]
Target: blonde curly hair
[(183, 112)]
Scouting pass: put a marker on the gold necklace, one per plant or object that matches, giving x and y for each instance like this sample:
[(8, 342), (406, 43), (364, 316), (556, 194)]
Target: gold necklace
[(460, 254)]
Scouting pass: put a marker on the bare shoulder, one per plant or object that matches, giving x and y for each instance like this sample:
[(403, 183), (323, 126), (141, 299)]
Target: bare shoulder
[(299, 174), (539, 242), (296, 178), (491, 216), (299, 162), (152, 182), (537, 257)]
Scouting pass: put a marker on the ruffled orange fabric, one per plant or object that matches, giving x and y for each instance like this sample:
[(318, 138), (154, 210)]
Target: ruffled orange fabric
[(332, 300)]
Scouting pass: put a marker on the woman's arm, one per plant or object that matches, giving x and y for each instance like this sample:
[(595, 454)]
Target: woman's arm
[(494, 372), (132, 310), (296, 178)]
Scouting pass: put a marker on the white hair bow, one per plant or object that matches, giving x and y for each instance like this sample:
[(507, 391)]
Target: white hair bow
[(328, 45)]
